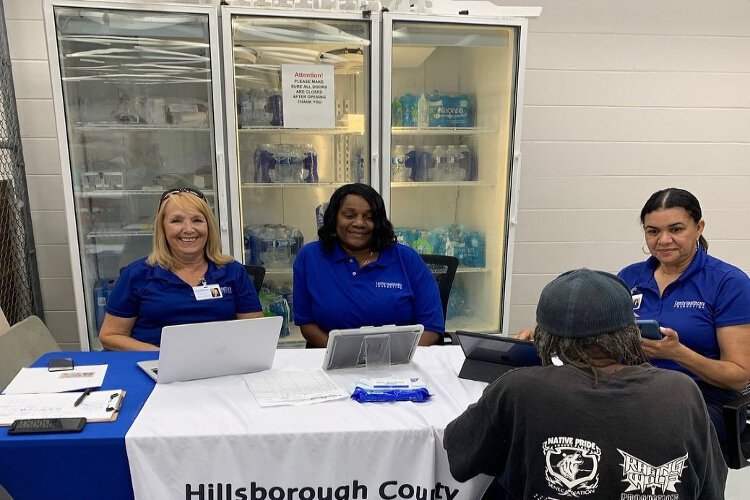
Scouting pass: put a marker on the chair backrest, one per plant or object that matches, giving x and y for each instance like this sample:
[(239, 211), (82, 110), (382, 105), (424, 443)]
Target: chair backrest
[(737, 449), (256, 273), (21, 345), (443, 268)]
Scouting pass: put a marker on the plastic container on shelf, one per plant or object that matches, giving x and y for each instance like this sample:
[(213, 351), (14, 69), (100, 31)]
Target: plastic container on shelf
[(409, 104), (288, 164), (447, 110), (459, 241), (398, 164), (265, 164), (272, 246)]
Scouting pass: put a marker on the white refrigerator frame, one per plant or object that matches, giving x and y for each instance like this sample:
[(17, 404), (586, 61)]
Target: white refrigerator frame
[(498, 19), (231, 99), (62, 133)]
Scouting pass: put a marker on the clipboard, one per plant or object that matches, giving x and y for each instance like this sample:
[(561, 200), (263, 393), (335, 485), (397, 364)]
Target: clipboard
[(99, 406)]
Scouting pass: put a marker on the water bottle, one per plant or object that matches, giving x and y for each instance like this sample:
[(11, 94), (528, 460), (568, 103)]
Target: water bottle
[(456, 173), (422, 245), (310, 164), (410, 161), (423, 119), (358, 166), (275, 107), (441, 173), (398, 159), (244, 108), (423, 163), (296, 155), (466, 162), (397, 113)]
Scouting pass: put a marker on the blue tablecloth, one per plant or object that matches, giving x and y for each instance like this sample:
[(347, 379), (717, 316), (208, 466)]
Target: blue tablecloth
[(89, 464)]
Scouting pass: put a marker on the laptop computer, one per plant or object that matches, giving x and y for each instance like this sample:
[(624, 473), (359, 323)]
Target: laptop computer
[(345, 348), (489, 356), (203, 350)]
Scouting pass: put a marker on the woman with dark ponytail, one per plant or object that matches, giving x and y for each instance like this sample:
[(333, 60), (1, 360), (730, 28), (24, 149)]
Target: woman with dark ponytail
[(701, 302)]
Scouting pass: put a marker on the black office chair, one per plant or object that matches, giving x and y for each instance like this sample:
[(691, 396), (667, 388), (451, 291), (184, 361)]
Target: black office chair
[(738, 443), (443, 268), (256, 273)]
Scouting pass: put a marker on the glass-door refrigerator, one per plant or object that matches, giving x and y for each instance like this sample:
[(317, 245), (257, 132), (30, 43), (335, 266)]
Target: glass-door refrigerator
[(302, 94), (137, 102), (451, 111)]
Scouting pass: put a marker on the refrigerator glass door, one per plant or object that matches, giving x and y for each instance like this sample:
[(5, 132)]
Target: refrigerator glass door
[(138, 108), (452, 95), (299, 98)]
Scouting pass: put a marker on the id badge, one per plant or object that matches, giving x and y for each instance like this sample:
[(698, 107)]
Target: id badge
[(637, 299), (207, 292)]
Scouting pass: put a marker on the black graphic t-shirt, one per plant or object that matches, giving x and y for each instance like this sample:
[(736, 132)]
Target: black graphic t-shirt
[(548, 433)]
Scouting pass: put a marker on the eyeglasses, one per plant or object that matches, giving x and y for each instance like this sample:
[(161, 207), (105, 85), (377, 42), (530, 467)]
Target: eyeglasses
[(169, 192)]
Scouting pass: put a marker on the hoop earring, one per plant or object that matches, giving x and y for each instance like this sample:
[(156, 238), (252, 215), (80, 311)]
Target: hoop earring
[(645, 251)]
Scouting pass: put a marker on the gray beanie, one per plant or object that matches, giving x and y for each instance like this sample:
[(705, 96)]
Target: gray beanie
[(584, 303)]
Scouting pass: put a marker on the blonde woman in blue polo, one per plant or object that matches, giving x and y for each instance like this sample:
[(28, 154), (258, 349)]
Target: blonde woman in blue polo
[(357, 275), (185, 278)]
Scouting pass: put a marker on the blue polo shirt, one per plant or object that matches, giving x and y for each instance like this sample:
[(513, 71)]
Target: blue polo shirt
[(331, 291), (156, 297), (708, 295)]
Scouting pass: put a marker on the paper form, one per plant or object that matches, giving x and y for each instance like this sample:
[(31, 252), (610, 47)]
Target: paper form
[(279, 388)]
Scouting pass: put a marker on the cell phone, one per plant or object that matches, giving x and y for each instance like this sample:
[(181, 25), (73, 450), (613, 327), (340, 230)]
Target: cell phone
[(649, 329), (40, 425), (60, 364)]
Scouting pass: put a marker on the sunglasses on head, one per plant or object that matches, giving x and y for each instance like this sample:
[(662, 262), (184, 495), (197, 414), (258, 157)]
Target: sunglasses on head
[(169, 192)]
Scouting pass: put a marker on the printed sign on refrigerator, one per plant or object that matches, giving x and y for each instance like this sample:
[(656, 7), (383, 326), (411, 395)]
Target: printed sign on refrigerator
[(307, 91)]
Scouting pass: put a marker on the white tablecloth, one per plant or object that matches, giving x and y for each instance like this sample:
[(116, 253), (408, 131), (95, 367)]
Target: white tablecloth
[(209, 439)]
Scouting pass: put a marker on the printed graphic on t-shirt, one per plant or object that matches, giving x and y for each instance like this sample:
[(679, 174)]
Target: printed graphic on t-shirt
[(572, 465), (656, 481)]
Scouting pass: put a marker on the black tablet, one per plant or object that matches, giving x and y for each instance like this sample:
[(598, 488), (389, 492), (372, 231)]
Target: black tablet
[(490, 355)]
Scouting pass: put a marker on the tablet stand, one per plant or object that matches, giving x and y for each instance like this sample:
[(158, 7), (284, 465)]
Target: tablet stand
[(377, 353)]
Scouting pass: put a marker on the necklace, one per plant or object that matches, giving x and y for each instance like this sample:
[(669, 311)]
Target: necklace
[(370, 258)]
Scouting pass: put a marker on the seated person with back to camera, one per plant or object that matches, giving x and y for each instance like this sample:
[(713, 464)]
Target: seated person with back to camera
[(179, 281), (358, 275), (605, 424)]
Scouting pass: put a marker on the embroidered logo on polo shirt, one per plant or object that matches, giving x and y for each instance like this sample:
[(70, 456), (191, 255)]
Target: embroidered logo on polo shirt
[(689, 304), (388, 284), (646, 478), (572, 465), (226, 290)]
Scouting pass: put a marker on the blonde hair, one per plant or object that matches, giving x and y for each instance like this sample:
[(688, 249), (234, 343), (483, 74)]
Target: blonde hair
[(161, 254)]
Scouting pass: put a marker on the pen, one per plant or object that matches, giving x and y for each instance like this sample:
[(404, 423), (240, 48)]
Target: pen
[(83, 396)]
